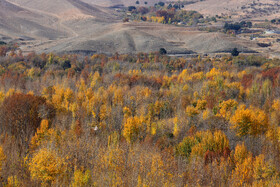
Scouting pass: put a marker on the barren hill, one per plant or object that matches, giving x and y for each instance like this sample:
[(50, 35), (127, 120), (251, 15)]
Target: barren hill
[(93, 26), (18, 22), (260, 9)]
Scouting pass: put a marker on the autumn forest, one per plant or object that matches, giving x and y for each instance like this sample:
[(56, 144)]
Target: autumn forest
[(138, 120)]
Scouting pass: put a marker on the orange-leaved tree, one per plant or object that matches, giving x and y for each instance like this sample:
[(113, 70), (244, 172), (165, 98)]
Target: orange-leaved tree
[(21, 115)]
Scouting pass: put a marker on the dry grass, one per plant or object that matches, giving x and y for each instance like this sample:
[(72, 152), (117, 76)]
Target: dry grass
[(75, 25)]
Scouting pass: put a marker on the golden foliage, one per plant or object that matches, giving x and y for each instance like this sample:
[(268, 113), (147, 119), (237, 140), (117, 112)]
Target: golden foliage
[(46, 166), (214, 73), (201, 104), (42, 134), (201, 142), (81, 178), (141, 120), (243, 173), (262, 169), (112, 163), (156, 172), (176, 129), (206, 114), (95, 79), (240, 153), (2, 97), (2, 158), (133, 127), (157, 19), (273, 134), (191, 111), (252, 121), (13, 182), (227, 108)]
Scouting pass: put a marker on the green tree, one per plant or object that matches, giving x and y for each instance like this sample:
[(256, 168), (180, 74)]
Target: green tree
[(162, 51), (235, 52)]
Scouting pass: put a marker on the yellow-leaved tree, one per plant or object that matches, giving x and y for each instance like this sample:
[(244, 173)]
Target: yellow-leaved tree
[(243, 173), (133, 127), (81, 178), (191, 111), (201, 104), (227, 108), (204, 144), (156, 173), (249, 121), (263, 170), (42, 134), (2, 158), (240, 153), (176, 129), (47, 166), (111, 162)]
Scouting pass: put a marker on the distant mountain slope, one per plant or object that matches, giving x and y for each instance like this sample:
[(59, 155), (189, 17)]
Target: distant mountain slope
[(145, 37), (61, 7), (16, 21), (86, 26), (259, 9)]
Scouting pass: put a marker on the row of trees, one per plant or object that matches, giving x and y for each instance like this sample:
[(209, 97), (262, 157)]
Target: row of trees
[(169, 14), (139, 120), (237, 26)]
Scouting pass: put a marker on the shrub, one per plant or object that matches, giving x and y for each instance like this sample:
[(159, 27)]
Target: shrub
[(131, 8), (235, 52), (162, 51), (2, 43), (161, 3), (126, 20)]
